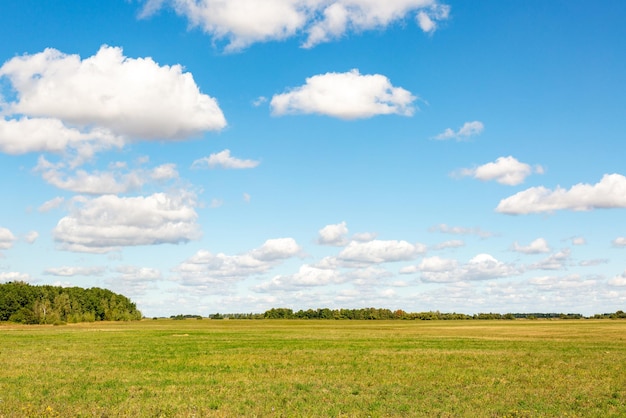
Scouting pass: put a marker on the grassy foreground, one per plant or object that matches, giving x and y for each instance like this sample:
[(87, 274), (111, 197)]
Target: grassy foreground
[(294, 368)]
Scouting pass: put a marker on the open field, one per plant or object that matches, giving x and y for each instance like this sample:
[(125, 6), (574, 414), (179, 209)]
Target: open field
[(315, 368)]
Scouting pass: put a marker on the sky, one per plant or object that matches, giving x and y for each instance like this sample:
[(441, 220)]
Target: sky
[(204, 156)]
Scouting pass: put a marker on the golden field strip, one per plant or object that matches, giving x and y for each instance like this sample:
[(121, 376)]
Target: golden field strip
[(325, 368)]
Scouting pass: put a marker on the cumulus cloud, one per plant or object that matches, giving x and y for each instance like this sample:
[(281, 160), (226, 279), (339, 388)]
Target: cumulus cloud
[(100, 101), (244, 22), (619, 281), (6, 239), (306, 276), (467, 130), (70, 271), (109, 222), (481, 267), (13, 276), (205, 268), (133, 273), (114, 181), (619, 242), (51, 204), (460, 230), (379, 251), (25, 135), (31, 237), (454, 243), (347, 95), (557, 261), (334, 235), (505, 170), (538, 246), (555, 283), (609, 193), (223, 159)]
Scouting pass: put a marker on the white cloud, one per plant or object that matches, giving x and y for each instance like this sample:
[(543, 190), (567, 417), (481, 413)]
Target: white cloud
[(505, 170), (51, 204), (379, 251), (13, 276), (538, 246), (24, 135), (460, 230), (247, 197), (347, 95), (554, 283), (244, 22), (132, 97), (579, 241), (31, 237), (70, 271), (6, 239), (455, 243), (619, 242), (557, 261), (109, 222), (619, 281), (481, 267), (334, 235), (437, 264), (164, 172), (306, 276), (113, 181), (610, 192), (205, 268), (223, 159), (89, 183), (133, 273), (468, 129)]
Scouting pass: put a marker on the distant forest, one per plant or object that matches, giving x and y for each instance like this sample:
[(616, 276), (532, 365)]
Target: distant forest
[(23, 303), (387, 314)]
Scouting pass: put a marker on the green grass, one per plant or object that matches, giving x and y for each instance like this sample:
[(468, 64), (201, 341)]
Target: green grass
[(274, 368)]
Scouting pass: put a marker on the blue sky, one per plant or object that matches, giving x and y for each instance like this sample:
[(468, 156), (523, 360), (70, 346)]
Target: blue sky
[(209, 156)]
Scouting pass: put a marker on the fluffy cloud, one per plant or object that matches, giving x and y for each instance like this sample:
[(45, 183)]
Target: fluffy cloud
[(6, 239), (108, 95), (538, 246), (379, 251), (305, 277), (24, 135), (223, 159), (610, 192), (132, 273), (619, 242), (31, 237), (460, 230), (333, 235), (481, 267), (454, 243), (99, 182), (205, 267), (13, 276), (505, 170), (554, 283), (468, 129), (51, 204), (70, 271), (244, 22), (619, 281), (346, 96), (108, 222), (556, 261)]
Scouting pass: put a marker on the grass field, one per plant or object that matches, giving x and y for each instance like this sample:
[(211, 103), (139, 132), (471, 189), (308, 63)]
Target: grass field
[(292, 368)]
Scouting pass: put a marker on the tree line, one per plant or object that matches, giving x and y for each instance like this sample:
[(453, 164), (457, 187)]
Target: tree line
[(24, 303)]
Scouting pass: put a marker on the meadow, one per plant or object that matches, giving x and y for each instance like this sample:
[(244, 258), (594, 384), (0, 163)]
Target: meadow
[(314, 368)]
